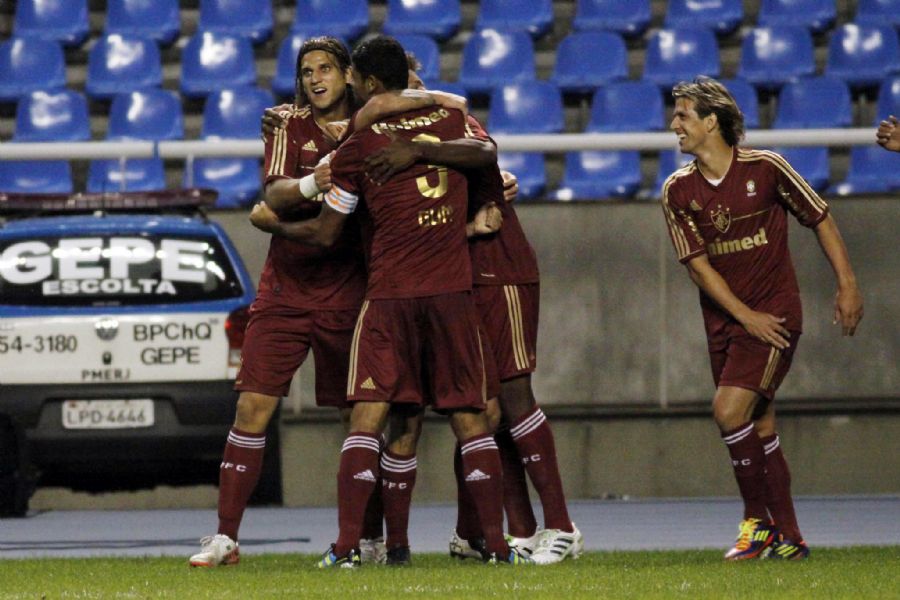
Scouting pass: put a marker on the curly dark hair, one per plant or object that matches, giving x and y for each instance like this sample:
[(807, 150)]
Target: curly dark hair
[(710, 96)]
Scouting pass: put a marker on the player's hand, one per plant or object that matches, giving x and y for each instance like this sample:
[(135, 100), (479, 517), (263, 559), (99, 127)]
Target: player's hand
[(888, 134), (487, 220), (336, 130), (273, 119), (322, 174), (398, 155), (510, 186), (263, 217), (767, 328), (848, 309)]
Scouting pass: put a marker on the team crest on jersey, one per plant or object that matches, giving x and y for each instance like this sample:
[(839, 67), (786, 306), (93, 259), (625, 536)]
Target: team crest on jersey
[(721, 218), (751, 187), (695, 206)]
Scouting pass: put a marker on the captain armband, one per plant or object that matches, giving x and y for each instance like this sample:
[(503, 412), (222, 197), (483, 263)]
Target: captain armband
[(341, 200)]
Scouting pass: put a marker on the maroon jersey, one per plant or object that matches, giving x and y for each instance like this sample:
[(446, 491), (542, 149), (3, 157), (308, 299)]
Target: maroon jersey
[(296, 274), (414, 225), (741, 224), (505, 257)]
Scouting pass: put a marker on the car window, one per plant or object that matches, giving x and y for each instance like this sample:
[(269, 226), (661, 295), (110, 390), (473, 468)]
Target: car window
[(110, 270)]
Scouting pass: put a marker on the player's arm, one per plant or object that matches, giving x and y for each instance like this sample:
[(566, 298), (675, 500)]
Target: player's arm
[(763, 326), (888, 134), (283, 194), (400, 154), (322, 231), (392, 103), (848, 302)]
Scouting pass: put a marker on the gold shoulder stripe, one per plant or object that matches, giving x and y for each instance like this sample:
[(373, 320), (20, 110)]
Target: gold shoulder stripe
[(279, 153), (784, 166), (682, 246)]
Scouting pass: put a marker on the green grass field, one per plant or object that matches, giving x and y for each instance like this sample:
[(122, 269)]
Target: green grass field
[(868, 572)]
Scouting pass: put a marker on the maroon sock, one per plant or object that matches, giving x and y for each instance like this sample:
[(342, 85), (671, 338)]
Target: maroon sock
[(519, 513), (484, 479), (398, 478), (749, 462), (373, 521), (357, 477), (238, 475), (468, 527), (534, 439), (778, 488)]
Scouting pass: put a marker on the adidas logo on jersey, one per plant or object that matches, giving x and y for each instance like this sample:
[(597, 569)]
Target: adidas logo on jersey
[(477, 475), (368, 384), (366, 475), (311, 146)]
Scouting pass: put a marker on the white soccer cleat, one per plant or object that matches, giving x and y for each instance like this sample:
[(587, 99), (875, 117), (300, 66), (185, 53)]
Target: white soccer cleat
[(556, 544), (372, 551), (526, 545), (216, 550), (461, 548)]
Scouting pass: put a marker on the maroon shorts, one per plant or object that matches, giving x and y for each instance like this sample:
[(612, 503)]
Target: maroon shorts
[(747, 362), (510, 317), (419, 351), (277, 341)]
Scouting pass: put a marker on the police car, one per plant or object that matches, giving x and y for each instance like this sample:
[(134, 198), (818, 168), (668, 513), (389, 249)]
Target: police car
[(121, 324)]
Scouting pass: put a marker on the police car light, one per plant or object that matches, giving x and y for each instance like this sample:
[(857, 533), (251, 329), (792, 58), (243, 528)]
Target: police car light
[(172, 200)]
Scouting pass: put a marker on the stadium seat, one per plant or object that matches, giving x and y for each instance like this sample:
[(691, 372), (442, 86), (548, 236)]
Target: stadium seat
[(491, 58), (28, 65), (212, 61), (63, 21), (815, 15), (770, 56), (878, 12), (811, 163), (747, 100), (574, 74), (439, 19), (227, 114), (675, 55), (35, 177), (346, 20), (627, 106), (119, 64), (721, 16), (59, 116), (628, 18), (150, 114), (872, 170), (528, 167), (531, 107), (248, 18), (599, 175), (426, 50), (532, 16), (158, 20), (888, 99), (669, 162), (284, 80), (814, 102), (863, 55)]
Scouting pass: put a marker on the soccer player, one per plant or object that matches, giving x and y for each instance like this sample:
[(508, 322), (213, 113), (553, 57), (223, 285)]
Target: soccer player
[(507, 289), (888, 134), (417, 335), (306, 300), (726, 213)]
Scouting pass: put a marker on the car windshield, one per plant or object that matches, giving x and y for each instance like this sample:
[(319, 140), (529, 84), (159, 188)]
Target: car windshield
[(110, 270)]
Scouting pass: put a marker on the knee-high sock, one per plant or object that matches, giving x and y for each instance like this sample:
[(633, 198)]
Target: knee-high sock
[(484, 479), (778, 489), (238, 476), (749, 462), (534, 440), (373, 522), (520, 517), (398, 478), (357, 477), (468, 527)]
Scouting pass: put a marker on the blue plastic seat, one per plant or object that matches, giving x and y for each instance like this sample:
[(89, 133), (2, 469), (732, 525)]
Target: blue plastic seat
[(491, 58), (872, 170), (627, 106), (878, 12), (531, 107), (599, 175), (531, 16), (439, 19), (721, 16), (150, 114), (888, 99), (669, 162), (574, 74), (811, 162), (284, 81), (629, 18), (863, 55), (35, 177), (28, 65), (426, 51), (63, 21), (814, 102), (58, 116), (528, 167), (158, 20), (815, 15), (675, 55), (227, 114), (119, 64), (347, 19), (747, 100), (212, 61), (248, 18), (770, 56)]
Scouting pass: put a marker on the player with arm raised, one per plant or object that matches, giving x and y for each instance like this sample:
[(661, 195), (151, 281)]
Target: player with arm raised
[(726, 213)]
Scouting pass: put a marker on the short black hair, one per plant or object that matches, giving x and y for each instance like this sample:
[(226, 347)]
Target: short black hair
[(327, 44), (384, 58)]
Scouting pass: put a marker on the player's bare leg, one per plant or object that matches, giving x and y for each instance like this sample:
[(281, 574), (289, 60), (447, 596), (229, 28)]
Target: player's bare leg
[(398, 478)]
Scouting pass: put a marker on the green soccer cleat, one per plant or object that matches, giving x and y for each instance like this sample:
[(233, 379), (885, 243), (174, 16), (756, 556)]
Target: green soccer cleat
[(788, 550), (347, 561)]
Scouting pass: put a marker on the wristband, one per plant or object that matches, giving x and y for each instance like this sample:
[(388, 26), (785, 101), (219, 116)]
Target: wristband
[(308, 187)]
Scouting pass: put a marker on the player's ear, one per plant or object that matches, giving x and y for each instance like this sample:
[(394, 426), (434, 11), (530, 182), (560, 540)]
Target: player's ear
[(712, 121)]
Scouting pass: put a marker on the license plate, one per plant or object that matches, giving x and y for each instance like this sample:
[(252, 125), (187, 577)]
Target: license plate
[(107, 414)]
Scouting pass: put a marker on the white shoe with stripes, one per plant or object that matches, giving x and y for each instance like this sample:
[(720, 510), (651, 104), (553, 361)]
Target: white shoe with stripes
[(556, 544)]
